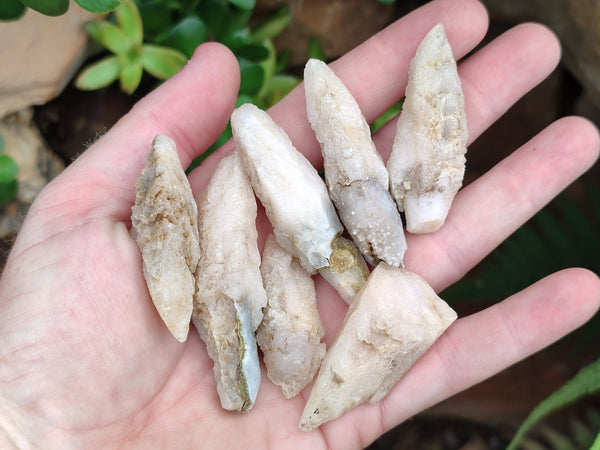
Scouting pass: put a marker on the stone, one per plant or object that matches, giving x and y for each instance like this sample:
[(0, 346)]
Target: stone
[(294, 196), (229, 296), (291, 331), (427, 162), (164, 225), (39, 56), (393, 320), (355, 173), (347, 271), (38, 165)]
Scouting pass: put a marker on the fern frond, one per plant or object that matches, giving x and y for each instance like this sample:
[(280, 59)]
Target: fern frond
[(596, 444), (585, 382)]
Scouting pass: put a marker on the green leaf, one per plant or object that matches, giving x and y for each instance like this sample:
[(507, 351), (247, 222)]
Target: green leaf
[(278, 87), (315, 50), (246, 5), (8, 169), (109, 35), (162, 62), (187, 35), (596, 444), (48, 7), (268, 66), (99, 74), (98, 6), (585, 382), (386, 116), (220, 17), (273, 26), (129, 20), (254, 52), (156, 17), (131, 76), (252, 76), (1, 143), (237, 39), (8, 191), (11, 9)]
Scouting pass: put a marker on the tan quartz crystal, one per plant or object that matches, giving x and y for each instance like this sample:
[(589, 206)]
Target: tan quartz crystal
[(164, 225), (355, 173), (291, 331), (427, 162), (230, 296), (393, 320), (294, 196)]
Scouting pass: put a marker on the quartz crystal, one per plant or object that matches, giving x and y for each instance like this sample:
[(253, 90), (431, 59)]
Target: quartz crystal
[(355, 173), (347, 271), (291, 331), (393, 320), (164, 225), (427, 162), (294, 196), (230, 296)]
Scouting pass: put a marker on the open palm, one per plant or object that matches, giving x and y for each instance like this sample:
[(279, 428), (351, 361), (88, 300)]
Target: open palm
[(85, 359)]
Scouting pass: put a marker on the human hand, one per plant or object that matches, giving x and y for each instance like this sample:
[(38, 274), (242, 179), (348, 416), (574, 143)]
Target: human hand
[(86, 360)]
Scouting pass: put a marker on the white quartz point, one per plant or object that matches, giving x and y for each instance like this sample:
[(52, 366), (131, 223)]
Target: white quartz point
[(291, 331), (294, 196), (164, 225), (427, 162), (230, 296), (355, 173), (391, 323)]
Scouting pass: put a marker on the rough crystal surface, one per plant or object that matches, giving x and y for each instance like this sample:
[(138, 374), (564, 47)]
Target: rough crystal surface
[(294, 196), (427, 162), (354, 171), (391, 323), (291, 331), (230, 296), (347, 271), (164, 225)]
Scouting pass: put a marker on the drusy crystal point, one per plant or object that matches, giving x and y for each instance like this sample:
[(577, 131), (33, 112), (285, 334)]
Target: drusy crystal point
[(294, 196), (427, 162), (164, 225), (393, 320), (291, 331), (354, 171), (230, 296)]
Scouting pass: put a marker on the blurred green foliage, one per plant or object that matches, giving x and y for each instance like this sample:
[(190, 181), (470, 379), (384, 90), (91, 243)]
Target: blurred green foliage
[(8, 175)]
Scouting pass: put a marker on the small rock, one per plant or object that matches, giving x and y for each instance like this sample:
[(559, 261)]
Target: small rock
[(164, 222), (39, 56), (291, 331), (37, 166)]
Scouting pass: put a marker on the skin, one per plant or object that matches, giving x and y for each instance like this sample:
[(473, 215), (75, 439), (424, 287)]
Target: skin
[(85, 360)]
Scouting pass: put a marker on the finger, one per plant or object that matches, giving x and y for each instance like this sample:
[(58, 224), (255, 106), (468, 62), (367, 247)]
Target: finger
[(488, 210), (193, 108), (496, 76), (376, 71)]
